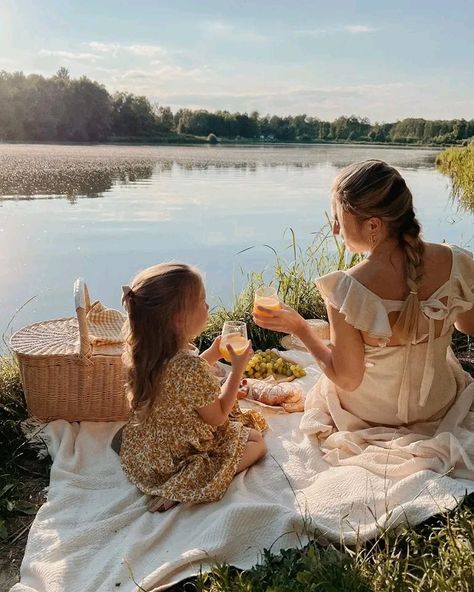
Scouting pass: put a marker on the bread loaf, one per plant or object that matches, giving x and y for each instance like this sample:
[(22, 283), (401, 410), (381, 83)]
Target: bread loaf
[(273, 394)]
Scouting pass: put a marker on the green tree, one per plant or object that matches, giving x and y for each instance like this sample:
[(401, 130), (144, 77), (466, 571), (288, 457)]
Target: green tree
[(132, 115)]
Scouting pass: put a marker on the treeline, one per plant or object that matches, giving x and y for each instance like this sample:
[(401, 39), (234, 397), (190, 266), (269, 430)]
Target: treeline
[(59, 108)]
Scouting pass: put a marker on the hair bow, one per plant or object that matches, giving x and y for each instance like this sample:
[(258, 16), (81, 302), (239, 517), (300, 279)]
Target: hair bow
[(127, 292)]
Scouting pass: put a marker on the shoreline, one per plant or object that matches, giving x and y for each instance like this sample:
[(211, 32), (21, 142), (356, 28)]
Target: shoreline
[(227, 143)]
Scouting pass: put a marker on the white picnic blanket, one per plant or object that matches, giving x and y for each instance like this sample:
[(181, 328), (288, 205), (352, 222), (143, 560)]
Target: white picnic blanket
[(94, 534)]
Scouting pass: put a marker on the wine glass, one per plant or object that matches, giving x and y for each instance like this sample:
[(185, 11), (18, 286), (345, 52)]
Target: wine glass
[(234, 333), (266, 296)]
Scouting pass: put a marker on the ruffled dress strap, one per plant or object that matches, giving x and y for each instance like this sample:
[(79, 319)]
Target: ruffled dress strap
[(462, 288), (361, 308)]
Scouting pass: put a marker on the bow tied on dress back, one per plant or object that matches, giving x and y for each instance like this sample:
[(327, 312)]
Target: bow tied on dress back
[(432, 310)]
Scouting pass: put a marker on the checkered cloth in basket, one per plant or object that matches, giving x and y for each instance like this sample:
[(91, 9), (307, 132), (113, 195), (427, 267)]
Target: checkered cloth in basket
[(105, 324)]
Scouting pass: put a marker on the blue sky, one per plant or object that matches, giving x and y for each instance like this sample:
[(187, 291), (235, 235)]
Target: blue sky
[(382, 59)]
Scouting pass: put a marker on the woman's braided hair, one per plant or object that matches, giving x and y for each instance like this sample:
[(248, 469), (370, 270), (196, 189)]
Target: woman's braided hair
[(373, 188)]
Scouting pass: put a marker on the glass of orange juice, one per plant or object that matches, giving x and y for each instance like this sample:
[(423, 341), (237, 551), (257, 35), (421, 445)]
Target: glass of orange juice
[(234, 333), (266, 296)]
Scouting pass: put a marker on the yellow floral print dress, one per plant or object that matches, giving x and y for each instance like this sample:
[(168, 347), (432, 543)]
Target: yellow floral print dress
[(173, 453)]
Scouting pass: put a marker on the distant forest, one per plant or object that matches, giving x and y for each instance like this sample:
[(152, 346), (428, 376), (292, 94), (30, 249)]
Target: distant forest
[(63, 109)]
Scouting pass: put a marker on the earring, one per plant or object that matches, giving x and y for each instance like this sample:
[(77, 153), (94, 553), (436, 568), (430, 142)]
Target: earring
[(373, 240)]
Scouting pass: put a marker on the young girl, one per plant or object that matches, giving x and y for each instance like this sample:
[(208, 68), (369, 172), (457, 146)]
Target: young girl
[(179, 445), (390, 384)]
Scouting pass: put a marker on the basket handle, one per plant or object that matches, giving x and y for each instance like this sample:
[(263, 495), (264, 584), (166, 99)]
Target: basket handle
[(82, 304)]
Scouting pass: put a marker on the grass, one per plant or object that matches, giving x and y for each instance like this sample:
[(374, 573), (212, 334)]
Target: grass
[(458, 164), (437, 555), (434, 556), (23, 476)]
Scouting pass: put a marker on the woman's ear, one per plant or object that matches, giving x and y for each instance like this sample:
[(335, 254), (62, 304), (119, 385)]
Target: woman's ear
[(375, 224)]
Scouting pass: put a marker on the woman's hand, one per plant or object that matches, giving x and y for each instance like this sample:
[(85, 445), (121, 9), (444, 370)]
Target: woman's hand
[(285, 319), (239, 361)]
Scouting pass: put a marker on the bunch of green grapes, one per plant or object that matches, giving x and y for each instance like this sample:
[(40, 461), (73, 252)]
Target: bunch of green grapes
[(266, 363)]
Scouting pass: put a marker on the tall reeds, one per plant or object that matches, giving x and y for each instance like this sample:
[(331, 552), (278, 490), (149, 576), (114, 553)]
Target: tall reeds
[(294, 281)]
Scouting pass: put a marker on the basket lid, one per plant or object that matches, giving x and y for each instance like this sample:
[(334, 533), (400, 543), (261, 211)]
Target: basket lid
[(48, 338)]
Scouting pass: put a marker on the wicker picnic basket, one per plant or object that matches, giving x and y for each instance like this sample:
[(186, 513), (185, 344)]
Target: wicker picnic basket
[(68, 375)]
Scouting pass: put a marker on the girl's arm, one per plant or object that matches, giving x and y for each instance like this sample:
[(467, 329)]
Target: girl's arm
[(218, 412), (342, 361)]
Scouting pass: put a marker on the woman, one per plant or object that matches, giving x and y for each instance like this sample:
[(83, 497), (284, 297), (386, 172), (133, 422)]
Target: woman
[(392, 397)]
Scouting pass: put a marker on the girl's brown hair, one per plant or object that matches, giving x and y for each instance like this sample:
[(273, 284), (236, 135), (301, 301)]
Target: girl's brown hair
[(373, 188), (157, 297)]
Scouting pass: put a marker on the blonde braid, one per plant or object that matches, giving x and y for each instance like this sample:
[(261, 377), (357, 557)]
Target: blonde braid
[(414, 249), (410, 241)]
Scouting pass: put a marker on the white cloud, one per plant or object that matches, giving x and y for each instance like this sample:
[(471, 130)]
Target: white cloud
[(379, 102), (139, 50), (232, 32), (218, 27), (356, 29), (103, 47), (145, 50), (159, 79), (70, 55), (353, 29)]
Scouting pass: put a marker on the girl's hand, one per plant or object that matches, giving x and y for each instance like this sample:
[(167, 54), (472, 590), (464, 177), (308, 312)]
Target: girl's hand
[(239, 361), (214, 349), (212, 354), (284, 320)]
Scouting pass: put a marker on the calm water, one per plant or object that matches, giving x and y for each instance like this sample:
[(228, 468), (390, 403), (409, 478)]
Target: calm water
[(106, 212)]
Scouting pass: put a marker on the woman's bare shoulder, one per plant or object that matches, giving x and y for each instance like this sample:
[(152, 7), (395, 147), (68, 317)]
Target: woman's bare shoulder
[(438, 259), (385, 281)]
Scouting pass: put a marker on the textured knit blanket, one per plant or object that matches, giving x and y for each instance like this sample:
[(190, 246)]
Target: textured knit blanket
[(94, 534)]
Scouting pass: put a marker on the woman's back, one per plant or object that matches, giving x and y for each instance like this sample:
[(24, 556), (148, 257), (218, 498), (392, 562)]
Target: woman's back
[(403, 382), (386, 278)]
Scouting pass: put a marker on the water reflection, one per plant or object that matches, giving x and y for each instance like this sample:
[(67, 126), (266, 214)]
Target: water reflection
[(72, 172), (32, 180)]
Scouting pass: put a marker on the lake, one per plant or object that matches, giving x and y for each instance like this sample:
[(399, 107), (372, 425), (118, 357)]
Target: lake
[(105, 212)]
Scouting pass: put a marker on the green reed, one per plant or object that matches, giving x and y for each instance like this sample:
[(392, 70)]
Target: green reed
[(294, 281), (458, 164)]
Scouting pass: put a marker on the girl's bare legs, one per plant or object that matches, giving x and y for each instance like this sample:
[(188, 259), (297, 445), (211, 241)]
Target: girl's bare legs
[(254, 451), (160, 504), (116, 443)]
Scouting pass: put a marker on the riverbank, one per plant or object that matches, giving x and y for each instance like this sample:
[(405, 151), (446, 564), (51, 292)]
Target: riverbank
[(201, 140), (190, 140)]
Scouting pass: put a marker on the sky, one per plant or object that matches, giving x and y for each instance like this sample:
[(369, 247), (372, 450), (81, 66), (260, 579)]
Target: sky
[(381, 59)]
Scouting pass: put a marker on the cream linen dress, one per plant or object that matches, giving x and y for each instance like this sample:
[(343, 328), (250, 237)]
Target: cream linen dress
[(414, 407)]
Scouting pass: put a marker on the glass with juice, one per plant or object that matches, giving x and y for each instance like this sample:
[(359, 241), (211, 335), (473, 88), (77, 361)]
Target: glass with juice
[(234, 333), (266, 296)]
